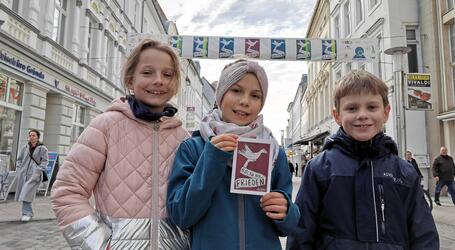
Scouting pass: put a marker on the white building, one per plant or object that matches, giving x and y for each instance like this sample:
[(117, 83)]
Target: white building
[(60, 65), (317, 103), (209, 97), (395, 24), (297, 123)]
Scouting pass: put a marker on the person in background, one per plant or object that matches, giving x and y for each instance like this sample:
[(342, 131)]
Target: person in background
[(291, 168), (303, 164), (124, 158), (199, 196), (357, 193), (30, 166), (412, 161), (443, 172), (296, 169)]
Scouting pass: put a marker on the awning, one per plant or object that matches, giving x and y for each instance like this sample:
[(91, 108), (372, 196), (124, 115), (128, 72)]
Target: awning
[(306, 140)]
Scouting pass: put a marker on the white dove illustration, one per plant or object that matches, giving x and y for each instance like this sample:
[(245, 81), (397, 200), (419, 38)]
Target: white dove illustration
[(277, 44), (328, 48), (250, 155), (225, 43), (199, 42), (251, 44), (302, 48)]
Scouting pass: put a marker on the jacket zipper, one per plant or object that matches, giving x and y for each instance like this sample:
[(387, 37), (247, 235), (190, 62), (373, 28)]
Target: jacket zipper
[(374, 201), (382, 200), (155, 184)]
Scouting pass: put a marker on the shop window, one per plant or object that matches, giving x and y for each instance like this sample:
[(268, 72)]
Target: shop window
[(9, 136), (3, 87), (78, 122), (16, 90), (11, 90)]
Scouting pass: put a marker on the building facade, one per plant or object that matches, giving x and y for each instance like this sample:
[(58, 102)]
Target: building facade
[(297, 123), (396, 25), (317, 99), (60, 66), (441, 27)]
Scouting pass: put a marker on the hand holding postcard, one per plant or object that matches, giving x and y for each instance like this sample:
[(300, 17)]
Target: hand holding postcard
[(251, 167)]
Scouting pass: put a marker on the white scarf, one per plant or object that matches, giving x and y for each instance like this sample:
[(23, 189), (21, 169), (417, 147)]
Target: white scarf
[(213, 125)]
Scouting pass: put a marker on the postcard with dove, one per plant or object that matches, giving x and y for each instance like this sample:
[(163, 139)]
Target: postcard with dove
[(251, 167)]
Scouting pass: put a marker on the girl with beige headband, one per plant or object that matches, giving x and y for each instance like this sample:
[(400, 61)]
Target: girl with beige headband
[(199, 195)]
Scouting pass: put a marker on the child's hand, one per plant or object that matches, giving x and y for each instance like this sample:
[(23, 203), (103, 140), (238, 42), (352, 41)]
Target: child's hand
[(275, 205), (225, 142)]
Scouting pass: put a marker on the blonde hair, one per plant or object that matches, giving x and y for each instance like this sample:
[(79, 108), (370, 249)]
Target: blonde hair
[(359, 82), (133, 59)]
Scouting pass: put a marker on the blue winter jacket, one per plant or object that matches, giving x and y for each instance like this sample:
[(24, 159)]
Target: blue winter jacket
[(199, 198), (361, 195)]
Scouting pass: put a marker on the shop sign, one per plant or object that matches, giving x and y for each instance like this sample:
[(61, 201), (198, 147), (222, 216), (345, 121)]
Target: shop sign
[(21, 66), (38, 74), (418, 92), (74, 92)]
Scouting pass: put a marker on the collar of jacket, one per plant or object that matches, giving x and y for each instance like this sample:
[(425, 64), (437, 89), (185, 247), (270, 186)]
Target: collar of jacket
[(377, 146), (142, 110)]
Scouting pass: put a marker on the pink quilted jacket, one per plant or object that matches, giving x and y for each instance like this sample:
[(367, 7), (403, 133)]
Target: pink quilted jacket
[(125, 162)]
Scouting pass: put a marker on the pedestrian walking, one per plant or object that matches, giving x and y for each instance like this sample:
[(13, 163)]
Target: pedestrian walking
[(444, 172), (357, 193), (199, 196), (296, 169), (291, 168), (303, 164), (30, 164), (413, 162), (124, 157)]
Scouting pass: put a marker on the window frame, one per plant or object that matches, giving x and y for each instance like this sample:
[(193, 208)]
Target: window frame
[(414, 42), (451, 34), (78, 121), (359, 14), (60, 16), (346, 19)]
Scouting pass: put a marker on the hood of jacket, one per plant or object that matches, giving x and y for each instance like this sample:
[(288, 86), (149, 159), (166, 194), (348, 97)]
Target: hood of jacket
[(121, 105), (377, 146)]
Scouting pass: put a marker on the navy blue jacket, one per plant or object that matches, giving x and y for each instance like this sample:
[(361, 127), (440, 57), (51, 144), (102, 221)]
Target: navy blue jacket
[(199, 198), (361, 195)]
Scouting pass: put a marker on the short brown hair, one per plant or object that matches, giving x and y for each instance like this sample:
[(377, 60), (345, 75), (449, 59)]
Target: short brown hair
[(133, 59), (359, 82)]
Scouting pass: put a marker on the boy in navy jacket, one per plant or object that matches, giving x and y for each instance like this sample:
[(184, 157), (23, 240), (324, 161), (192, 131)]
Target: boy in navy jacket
[(357, 193)]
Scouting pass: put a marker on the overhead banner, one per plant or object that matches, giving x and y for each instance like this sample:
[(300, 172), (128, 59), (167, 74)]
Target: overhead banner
[(418, 91), (280, 49)]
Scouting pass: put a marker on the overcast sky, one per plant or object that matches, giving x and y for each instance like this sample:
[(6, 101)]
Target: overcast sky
[(253, 18)]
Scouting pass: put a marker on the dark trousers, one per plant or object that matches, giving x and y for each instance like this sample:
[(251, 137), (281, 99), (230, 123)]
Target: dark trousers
[(450, 186)]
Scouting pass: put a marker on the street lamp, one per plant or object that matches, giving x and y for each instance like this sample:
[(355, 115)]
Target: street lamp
[(400, 116)]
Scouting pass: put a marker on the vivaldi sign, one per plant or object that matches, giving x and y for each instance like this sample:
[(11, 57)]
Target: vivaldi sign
[(418, 92)]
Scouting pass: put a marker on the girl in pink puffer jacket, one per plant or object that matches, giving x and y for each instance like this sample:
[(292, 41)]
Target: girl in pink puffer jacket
[(123, 158)]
